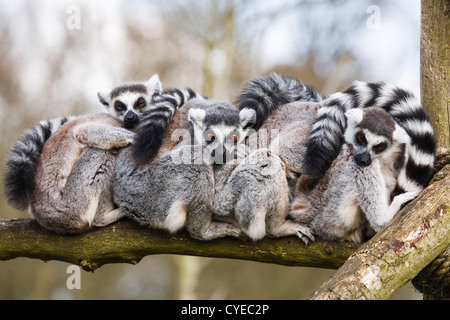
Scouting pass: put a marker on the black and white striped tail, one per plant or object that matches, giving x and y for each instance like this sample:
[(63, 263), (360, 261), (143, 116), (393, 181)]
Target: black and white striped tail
[(23, 159), (151, 129), (327, 135), (265, 94)]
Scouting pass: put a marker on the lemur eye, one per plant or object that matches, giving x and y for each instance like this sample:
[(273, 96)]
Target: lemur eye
[(380, 147), (140, 103), (119, 106), (360, 138)]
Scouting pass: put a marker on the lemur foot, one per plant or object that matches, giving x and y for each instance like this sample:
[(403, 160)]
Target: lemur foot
[(306, 235)]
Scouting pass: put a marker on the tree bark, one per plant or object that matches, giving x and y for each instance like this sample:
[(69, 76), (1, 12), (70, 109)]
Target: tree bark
[(434, 61), (396, 254)]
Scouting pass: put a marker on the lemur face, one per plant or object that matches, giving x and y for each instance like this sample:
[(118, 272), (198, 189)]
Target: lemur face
[(373, 134), (129, 102), (220, 128)]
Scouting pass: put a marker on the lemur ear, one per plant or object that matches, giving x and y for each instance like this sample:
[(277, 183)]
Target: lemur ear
[(104, 97), (196, 116), (154, 85), (400, 135), (247, 117), (355, 115)]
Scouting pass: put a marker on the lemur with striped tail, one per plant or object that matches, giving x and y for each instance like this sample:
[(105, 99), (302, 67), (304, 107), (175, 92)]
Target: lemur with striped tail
[(25, 158), (201, 184), (311, 152), (327, 135)]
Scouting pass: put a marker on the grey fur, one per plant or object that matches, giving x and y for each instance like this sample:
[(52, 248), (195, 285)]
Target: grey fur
[(24, 157), (255, 195), (170, 196), (326, 135)]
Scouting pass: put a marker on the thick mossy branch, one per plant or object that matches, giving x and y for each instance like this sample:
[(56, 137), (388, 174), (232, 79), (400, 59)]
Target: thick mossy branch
[(128, 242)]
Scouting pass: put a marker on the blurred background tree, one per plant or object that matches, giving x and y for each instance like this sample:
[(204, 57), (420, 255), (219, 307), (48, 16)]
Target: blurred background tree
[(50, 67)]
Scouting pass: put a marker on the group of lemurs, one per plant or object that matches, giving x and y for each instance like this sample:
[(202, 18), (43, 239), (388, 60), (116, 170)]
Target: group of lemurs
[(285, 161)]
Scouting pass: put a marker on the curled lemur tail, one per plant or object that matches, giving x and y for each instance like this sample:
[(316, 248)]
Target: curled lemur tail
[(151, 130), (327, 135), (23, 160), (265, 94)]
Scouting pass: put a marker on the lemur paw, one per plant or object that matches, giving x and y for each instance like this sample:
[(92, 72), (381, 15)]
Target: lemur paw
[(305, 233), (125, 138)]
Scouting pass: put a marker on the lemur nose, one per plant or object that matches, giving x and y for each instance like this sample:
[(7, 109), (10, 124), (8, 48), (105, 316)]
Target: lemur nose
[(363, 159), (131, 116)]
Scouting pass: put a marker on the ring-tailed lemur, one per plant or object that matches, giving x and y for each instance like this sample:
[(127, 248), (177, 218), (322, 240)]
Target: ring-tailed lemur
[(183, 191), (129, 102), (254, 194), (23, 159), (326, 138), (352, 199), (171, 194), (327, 135)]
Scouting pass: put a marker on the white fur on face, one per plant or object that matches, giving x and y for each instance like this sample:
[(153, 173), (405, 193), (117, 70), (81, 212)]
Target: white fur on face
[(128, 99)]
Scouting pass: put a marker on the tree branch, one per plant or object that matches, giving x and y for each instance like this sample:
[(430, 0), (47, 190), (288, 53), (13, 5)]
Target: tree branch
[(396, 254), (128, 242)]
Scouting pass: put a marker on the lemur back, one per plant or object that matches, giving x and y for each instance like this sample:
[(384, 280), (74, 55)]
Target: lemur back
[(75, 174)]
